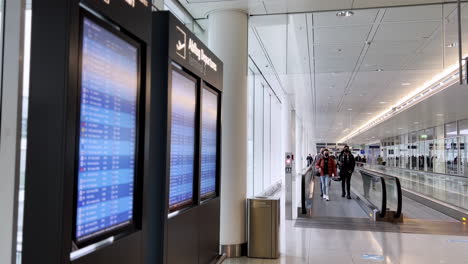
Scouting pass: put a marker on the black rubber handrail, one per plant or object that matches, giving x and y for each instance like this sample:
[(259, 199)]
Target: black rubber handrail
[(383, 210), (303, 188), (303, 207), (400, 198)]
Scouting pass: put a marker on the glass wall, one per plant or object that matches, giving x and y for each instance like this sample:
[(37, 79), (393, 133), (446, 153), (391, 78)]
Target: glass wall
[(26, 66), (439, 149), (264, 136)]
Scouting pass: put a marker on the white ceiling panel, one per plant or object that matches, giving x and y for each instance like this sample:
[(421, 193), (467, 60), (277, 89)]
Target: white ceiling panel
[(406, 31), (413, 13), (338, 50), (335, 65), (380, 3), (330, 19), (448, 103), (290, 6), (344, 34)]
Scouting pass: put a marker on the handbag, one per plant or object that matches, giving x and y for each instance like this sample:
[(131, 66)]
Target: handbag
[(336, 178)]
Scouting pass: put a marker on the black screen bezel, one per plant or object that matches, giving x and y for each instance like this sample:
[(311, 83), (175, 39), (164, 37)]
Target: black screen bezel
[(215, 193), (130, 226), (193, 201)]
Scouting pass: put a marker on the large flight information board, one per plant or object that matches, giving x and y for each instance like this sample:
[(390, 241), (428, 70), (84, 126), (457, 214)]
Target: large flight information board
[(209, 150), (107, 137), (182, 157)]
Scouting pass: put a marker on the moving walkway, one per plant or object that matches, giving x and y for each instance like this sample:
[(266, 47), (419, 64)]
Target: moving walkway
[(380, 203)]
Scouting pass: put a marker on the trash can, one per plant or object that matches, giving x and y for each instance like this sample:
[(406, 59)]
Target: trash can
[(263, 214)]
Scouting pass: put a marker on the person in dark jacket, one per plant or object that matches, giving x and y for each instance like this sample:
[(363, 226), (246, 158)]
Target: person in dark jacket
[(347, 163), (327, 168), (309, 160)]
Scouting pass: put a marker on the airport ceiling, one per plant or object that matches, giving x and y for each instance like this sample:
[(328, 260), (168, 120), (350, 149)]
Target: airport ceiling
[(201, 8), (341, 71)]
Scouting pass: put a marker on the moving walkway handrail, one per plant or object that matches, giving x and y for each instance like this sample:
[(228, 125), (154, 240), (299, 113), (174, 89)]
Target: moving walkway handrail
[(303, 188), (383, 176)]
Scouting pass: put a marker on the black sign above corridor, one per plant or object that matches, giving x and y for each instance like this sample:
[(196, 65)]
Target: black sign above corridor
[(188, 50)]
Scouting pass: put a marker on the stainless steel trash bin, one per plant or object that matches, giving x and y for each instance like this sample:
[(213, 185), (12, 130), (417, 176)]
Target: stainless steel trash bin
[(263, 227)]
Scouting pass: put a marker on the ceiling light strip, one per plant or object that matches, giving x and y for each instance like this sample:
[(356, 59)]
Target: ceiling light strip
[(438, 83)]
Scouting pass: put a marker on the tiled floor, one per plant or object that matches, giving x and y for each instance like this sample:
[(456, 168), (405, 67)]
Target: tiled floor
[(311, 246)]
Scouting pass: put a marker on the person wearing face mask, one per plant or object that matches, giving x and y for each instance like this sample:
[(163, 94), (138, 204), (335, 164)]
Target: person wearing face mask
[(347, 163), (327, 168), (317, 172)]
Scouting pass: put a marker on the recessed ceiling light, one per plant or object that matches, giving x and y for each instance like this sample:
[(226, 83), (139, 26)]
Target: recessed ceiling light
[(400, 128), (382, 102), (369, 113), (345, 13), (350, 109), (379, 69), (439, 115), (416, 123), (406, 84)]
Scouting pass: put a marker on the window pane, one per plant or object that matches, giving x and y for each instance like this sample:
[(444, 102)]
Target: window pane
[(258, 135), (451, 129), (463, 126)]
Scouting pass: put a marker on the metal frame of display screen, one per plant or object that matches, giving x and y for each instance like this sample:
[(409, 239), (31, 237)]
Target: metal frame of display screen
[(183, 133), (210, 141), (107, 189)]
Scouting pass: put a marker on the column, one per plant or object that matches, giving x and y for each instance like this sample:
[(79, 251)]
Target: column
[(10, 126), (227, 38)]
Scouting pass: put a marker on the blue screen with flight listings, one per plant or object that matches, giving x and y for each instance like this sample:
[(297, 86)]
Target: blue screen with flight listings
[(182, 155), (209, 149), (107, 136)]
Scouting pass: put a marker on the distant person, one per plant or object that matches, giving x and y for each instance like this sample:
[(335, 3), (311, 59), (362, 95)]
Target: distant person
[(309, 160), (364, 159), (347, 164), (379, 160), (358, 158), (327, 168)]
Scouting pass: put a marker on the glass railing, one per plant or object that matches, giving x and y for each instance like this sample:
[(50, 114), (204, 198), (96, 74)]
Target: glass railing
[(306, 178), (445, 156), (450, 189), (370, 189)]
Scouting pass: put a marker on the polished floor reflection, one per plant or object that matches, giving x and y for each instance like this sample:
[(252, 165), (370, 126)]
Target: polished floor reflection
[(328, 246)]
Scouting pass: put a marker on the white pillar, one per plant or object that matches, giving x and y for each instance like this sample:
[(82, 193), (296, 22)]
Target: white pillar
[(227, 38), (10, 125)]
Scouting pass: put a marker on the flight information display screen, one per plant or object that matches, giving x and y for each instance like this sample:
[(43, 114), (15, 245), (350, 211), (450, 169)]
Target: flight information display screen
[(107, 131), (209, 133), (182, 140)]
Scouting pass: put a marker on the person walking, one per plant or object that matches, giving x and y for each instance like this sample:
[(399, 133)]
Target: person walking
[(347, 163), (327, 168), (317, 172)]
